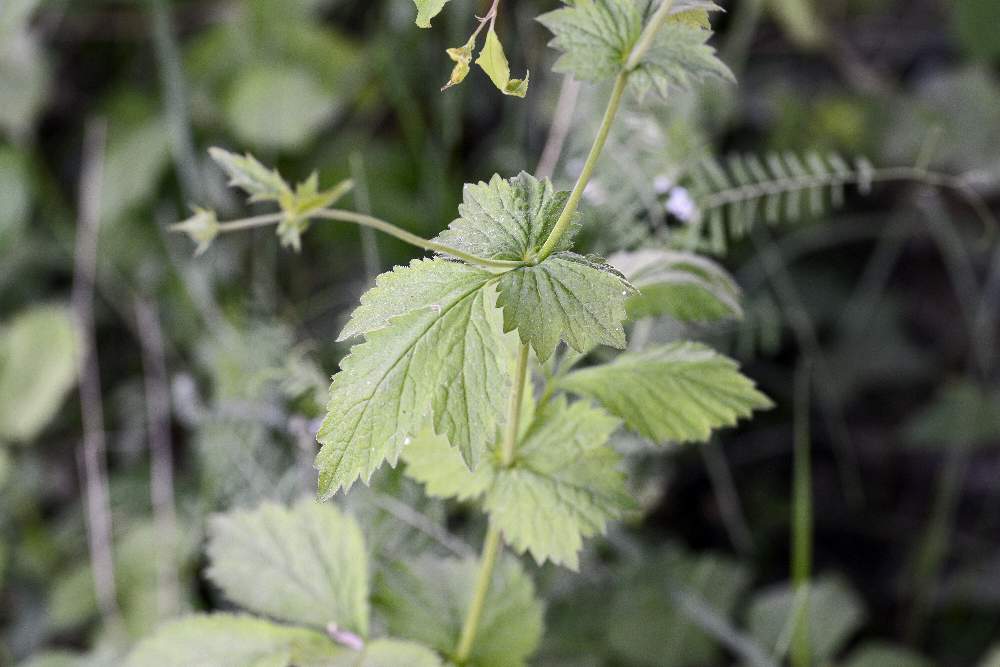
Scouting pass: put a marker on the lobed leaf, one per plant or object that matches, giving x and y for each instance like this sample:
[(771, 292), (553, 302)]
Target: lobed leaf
[(678, 392), (427, 601), (567, 297), (596, 38), (507, 219), (563, 486), (306, 564), (685, 286), (446, 363)]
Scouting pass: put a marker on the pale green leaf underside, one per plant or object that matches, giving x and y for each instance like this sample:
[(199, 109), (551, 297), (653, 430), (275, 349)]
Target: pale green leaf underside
[(507, 219), (447, 364), (37, 368), (835, 613), (427, 601), (563, 487), (681, 285), (566, 297), (596, 37), (248, 174), (228, 640), (306, 564), (674, 393), (428, 9), (679, 58)]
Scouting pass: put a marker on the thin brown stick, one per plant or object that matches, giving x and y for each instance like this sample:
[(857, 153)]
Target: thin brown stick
[(93, 452), (161, 465), (562, 120)]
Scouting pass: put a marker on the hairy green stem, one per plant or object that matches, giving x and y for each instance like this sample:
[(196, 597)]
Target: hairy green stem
[(493, 543), (802, 517), (645, 41), (373, 223), (488, 560), (588, 168)]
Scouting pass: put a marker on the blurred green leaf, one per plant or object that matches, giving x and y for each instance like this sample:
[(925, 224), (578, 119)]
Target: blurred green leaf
[(681, 285), (15, 195), (800, 20), (976, 22), (306, 564), (24, 82), (426, 600), (38, 351), (228, 640), (880, 654), (277, 107), (992, 659), (137, 156), (962, 414), (647, 625), (834, 614)]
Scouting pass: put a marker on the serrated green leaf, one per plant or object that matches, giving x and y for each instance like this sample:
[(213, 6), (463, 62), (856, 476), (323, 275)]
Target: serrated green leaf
[(681, 285), (596, 38), (38, 350), (564, 484), (427, 601), (507, 219), (246, 173), (446, 363), (428, 9), (228, 640), (679, 58), (566, 297), (834, 614), (674, 393), (881, 654), (647, 625), (493, 60), (306, 564)]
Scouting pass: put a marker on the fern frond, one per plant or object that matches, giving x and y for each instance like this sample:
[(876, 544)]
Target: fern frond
[(730, 197)]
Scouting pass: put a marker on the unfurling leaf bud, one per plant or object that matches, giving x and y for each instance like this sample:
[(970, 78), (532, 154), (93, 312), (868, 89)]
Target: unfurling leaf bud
[(202, 228)]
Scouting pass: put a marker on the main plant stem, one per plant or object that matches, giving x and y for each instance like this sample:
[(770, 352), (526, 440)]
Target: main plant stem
[(493, 542), (563, 223), (642, 45)]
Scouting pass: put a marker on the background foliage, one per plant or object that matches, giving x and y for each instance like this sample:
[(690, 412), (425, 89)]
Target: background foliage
[(883, 291)]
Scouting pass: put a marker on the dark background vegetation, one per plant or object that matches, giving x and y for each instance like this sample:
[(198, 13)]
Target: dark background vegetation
[(886, 305)]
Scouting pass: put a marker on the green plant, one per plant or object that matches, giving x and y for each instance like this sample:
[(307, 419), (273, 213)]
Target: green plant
[(446, 380)]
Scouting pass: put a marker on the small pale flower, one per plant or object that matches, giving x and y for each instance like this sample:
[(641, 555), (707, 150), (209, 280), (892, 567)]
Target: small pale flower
[(681, 205), (202, 228)]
